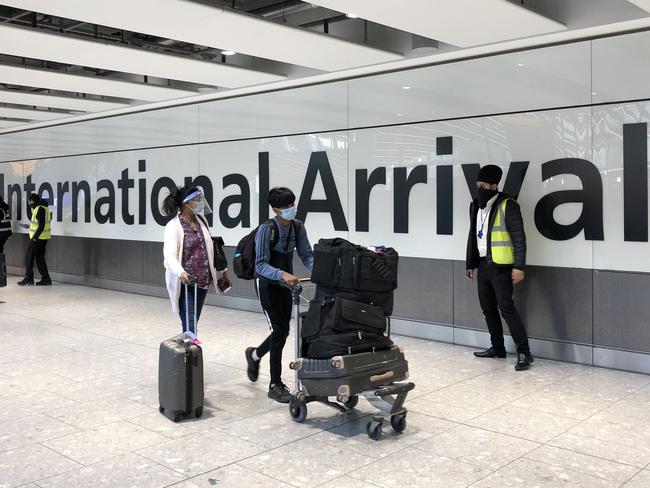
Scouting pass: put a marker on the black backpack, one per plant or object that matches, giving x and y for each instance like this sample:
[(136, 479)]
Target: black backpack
[(244, 259)]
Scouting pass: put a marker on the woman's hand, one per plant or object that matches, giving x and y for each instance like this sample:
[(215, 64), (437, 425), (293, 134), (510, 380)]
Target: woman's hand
[(226, 279), (185, 278)]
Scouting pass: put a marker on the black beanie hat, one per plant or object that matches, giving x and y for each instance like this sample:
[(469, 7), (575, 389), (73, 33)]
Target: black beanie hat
[(490, 173)]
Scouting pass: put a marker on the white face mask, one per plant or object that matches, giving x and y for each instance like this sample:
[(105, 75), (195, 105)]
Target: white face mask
[(288, 213), (198, 209)]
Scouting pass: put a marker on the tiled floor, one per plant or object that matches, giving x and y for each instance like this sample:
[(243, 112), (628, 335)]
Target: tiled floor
[(78, 408)]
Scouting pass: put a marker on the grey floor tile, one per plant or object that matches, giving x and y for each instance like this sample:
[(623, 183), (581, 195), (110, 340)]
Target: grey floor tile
[(104, 411), (641, 480), (593, 466), (275, 428), (481, 447), (525, 473), (201, 452), (347, 482), (442, 410), (306, 462), (162, 424), (232, 476), (30, 430), (105, 442), (605, 449), (608, 426), (31, 463), (415, 468), (566, 403), (523, 423), (122, 471)]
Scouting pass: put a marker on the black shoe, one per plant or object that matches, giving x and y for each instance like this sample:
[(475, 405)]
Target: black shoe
[(253, 370), (524, 360), (490, 353), (25, 282), (280, 393), (44, 283)]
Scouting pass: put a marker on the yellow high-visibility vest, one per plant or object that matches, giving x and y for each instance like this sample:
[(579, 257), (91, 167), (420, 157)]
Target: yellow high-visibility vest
[(33, 224), (500, 240)]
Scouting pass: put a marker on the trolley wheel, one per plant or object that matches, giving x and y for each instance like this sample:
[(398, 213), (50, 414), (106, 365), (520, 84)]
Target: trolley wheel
[(198, 412), (161, 409), (176, 417), (374, 430), (298, 410), (352, 402), (398, 422)]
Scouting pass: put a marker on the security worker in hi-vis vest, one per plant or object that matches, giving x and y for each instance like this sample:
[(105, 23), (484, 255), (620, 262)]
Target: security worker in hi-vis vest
[(40, 232), (497, 248)]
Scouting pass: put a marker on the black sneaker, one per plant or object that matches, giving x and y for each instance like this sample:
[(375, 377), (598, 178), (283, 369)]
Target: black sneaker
[(253, 369), (280, 393), (524, 360), (44, 283), (25, 282)]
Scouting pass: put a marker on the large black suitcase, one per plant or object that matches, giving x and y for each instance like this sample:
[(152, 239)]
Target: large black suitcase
[(180, 374), (3, 270), (381, 299), (340, 264), (348, 375), (327, 346), (335, 315)]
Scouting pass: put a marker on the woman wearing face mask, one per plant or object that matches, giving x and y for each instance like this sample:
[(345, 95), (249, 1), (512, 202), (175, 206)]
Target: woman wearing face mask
[(188, 252)]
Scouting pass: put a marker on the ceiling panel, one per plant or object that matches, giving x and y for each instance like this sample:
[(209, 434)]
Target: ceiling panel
[(37, 44), (57, 80), (50, 101), (20, 113), (201, 24), (644, 4), (461, 23), (6, 124)]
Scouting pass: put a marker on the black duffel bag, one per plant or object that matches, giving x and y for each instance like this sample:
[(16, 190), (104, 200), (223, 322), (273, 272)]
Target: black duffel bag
[(381, 299), (330, 345), (340, 264), (335, 315)]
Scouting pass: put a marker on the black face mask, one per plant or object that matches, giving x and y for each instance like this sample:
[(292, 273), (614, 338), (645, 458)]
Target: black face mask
[(484, 196)]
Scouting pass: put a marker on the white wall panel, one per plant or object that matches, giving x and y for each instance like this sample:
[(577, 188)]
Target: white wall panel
[(146, 129), (309, 109), (614, 252), (620, 67), (551, 77), (536, 137)]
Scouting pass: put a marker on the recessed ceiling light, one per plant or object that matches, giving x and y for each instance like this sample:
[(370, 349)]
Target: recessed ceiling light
[(520, 64), (406, 88), (352, 16), (593, 93), (400, 115), (228, 53)]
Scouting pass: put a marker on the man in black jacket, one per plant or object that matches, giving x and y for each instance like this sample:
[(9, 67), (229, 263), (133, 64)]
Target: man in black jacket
[(40, 232), (496, 246), (5, 224)]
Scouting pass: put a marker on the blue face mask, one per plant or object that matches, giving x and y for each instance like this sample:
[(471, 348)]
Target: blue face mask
[(198, 209), (288, 213)]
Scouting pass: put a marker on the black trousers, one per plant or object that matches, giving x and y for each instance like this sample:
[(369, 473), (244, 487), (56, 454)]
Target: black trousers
[(36, 252), (277, 302), (4, 236), (495, 294)]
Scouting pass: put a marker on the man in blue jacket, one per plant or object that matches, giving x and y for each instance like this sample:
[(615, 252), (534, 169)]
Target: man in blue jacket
[(274, 245)]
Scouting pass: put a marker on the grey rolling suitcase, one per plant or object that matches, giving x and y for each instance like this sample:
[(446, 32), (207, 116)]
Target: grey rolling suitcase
[(180, 374), (345, 376)]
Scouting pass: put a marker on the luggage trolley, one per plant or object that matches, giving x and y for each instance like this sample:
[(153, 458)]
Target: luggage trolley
[(382, 392)]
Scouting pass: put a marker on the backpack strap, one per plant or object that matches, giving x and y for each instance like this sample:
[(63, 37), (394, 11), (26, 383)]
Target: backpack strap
[(275, 234)]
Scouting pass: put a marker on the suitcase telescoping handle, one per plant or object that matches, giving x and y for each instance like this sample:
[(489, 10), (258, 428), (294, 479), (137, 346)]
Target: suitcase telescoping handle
[(296, 290), (187, 308)]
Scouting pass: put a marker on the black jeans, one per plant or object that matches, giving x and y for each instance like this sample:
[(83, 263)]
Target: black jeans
[(36, 252), (495, 294), (276, 301)]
